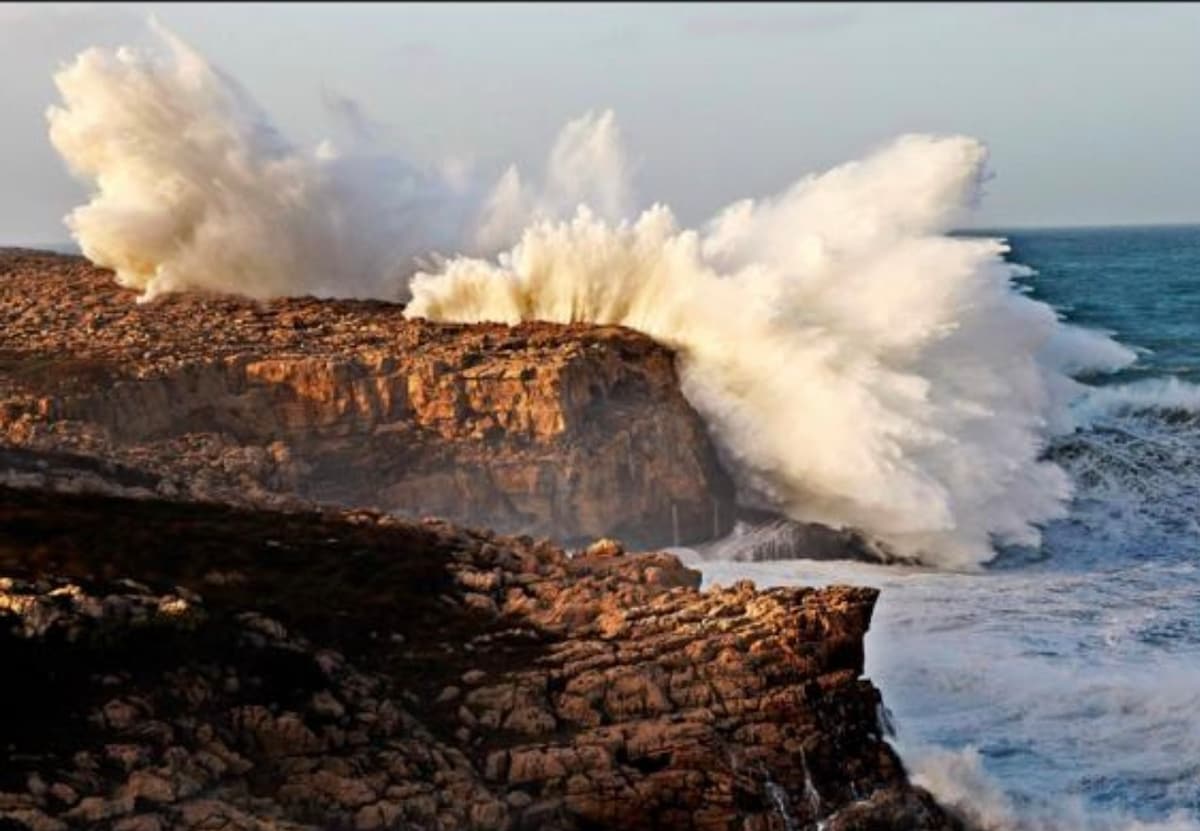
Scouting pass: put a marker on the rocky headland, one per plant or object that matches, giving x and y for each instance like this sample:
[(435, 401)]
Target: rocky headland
[(573, 432), (196, 636)]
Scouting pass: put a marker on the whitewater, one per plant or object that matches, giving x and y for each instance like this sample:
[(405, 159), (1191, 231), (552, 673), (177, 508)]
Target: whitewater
[(1060, 689), (857, 363)]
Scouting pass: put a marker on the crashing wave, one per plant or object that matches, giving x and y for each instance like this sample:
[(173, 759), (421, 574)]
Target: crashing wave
[(857, 365)]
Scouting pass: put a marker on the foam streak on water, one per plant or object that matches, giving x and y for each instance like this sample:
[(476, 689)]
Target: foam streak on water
[(1059, 690)]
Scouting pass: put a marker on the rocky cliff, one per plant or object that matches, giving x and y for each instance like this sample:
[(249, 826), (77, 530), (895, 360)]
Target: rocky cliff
[(570, 432), (196, 666), (196, 637)]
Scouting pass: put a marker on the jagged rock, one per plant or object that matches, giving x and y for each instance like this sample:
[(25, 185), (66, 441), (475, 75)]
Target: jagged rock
[(609, 692), (64, 793)]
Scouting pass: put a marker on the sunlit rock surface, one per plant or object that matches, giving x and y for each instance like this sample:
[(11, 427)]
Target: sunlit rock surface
[(573, 432)]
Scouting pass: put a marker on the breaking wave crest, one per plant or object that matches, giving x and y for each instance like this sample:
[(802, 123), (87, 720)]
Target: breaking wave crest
[(1135, 465), (1168, 398), (958, 780), (857, 364), (197, 190)]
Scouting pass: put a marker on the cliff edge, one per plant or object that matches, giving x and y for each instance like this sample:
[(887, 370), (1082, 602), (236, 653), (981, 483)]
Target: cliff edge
[(197, 666), (574, 432)]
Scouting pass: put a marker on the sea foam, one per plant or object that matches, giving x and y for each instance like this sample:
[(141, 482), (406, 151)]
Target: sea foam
[(856, 364), (195, 188)]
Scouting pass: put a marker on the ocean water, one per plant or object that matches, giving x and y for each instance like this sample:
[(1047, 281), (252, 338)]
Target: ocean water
[(1060, 688)]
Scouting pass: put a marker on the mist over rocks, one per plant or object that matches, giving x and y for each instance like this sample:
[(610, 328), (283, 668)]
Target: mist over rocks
[(856, 363), (197, 190)]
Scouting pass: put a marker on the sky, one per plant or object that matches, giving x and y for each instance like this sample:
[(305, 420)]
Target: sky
[(1091, 111)]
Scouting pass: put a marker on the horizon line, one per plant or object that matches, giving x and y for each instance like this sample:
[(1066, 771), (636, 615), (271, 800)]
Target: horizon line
[(1108, 226)]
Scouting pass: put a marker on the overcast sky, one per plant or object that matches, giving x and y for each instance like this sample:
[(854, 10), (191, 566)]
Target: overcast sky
[(1092, 112)]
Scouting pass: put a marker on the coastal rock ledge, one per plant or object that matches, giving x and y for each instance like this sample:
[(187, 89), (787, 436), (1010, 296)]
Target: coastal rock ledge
[(175, 665), (572, 432)]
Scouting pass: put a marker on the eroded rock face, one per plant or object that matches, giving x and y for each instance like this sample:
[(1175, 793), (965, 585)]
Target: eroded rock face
[(357, 671), (565, 431), (202, 662)]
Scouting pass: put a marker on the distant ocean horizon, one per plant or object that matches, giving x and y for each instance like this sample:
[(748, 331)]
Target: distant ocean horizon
[(1060, 689), (69, 247)]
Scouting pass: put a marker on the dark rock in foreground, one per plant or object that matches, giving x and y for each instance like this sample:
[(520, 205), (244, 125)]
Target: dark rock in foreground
[(356, 671)]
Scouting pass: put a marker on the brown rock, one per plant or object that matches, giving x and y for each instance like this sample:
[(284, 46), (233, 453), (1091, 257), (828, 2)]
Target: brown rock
[(567, 431), (150, 787), (64, 793), (34, 820), (310, 692), (604, 548), (473, 676), (140, 822)]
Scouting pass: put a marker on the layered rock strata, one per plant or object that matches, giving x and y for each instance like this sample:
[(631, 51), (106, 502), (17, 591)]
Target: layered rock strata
[(196, 666), (573, 432)]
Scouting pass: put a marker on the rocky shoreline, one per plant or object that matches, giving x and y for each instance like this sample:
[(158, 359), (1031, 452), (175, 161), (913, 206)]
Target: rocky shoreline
[(200, 666), (196, 635), (572, 432)]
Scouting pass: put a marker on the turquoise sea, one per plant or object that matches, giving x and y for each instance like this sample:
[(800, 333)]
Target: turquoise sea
[(1060, 688)]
